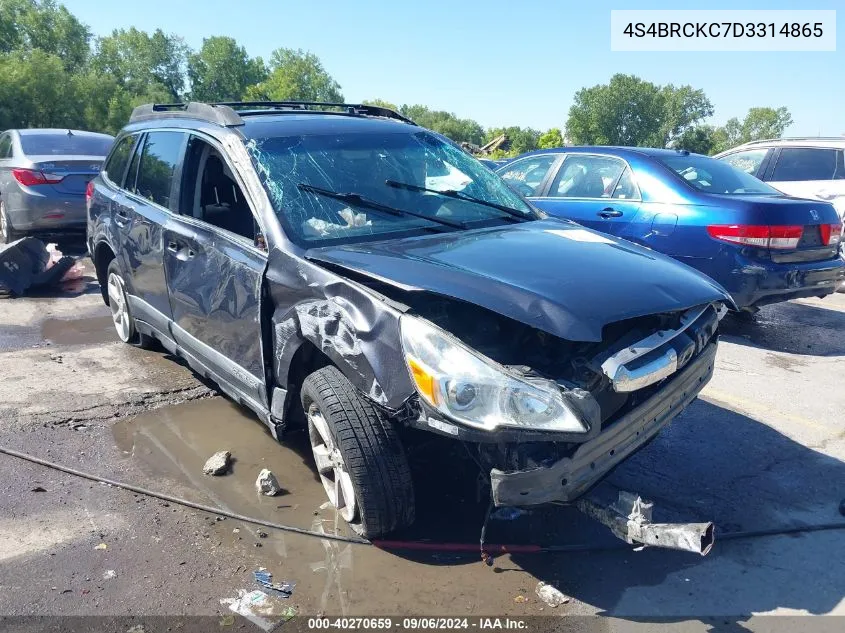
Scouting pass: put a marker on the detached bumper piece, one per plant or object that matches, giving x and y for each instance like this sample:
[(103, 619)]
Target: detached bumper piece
[(629, 518), (570, 477)]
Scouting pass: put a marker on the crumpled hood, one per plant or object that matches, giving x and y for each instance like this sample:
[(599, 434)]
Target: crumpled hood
[(550, 274)]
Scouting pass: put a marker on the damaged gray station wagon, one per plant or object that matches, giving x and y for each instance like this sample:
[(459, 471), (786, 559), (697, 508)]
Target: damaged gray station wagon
[(340, 267)]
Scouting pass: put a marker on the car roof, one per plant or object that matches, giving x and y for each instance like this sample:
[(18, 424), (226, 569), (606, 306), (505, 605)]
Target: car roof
[(808, 141), (312, 123), (613, 150), (59, 132)]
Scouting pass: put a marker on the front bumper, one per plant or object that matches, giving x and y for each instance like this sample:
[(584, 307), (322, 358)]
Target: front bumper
[(570, 477)]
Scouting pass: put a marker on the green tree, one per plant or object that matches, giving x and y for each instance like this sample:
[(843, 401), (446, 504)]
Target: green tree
[(382, 103), (759, 123), (222, 71), (37, 91), (551, 138), (296, 75), (27, 25), (143, 63), (631, 111), (520, 139)]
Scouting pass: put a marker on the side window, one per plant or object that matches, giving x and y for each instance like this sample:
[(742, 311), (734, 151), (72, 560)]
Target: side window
[(211, 192), (586, 177), (805, 163), (527, 175), (115, 166), (161, 155), (625, 188), (748, 161), (5, 146)]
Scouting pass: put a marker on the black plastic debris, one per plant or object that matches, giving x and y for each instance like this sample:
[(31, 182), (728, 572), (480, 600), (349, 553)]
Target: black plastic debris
[(24, 264)]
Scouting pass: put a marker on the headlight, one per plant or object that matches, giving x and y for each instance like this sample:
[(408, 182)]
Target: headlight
[(476, 391)]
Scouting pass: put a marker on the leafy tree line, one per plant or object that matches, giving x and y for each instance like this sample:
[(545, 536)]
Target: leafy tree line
[(55, 73)]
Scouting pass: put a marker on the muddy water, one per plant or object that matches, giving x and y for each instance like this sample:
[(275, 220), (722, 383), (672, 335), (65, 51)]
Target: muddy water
[(88, 331), (172, 444)]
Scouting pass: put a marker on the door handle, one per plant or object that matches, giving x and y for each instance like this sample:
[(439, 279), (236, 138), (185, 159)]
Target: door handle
[(609, 212)]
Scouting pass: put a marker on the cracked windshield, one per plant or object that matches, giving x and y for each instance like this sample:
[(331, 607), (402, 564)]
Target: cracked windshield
[(328, 188)]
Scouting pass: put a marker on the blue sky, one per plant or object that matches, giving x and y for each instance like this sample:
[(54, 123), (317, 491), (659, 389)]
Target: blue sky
[(501, 62)]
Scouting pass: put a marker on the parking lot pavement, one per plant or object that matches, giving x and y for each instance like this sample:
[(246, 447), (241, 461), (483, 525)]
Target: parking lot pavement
[(762, 448)]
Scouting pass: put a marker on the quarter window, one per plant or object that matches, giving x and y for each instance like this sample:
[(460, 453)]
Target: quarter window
[(5, 146), (625, 188), (162, 153), (587, 177), (526, 176), (748, 161), (805, 163), (116, 164)]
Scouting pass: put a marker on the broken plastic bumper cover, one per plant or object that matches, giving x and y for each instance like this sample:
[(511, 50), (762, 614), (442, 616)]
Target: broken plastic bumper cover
[(569, 478)]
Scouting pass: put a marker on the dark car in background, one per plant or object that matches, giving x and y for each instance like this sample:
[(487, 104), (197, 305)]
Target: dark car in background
[(321, 267), (760, 244), (44, 174)]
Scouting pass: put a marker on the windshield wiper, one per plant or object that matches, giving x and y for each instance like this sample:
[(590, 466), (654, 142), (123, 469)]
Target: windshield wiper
[(458, 195), (361, 201)]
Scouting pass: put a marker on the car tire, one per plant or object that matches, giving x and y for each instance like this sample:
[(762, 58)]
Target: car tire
[(358, 453), (124, 322), (7, 234)]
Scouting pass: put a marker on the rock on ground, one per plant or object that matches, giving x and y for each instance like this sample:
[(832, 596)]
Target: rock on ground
[(218, 463)]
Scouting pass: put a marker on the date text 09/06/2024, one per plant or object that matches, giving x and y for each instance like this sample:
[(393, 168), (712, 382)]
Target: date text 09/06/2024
[(414, 623)]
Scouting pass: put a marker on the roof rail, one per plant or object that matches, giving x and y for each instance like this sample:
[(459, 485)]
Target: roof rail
[(796, 138), (246, 108), (219, 114)]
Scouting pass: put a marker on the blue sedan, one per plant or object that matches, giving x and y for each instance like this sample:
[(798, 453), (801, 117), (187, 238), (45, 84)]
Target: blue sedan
[(761, 245)]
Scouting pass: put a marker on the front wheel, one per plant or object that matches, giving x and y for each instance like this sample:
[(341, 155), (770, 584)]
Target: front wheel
[(124, 322), (359, 458)]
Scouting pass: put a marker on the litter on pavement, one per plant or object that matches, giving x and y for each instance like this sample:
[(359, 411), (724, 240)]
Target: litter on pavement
[(265, 579), (29, 263), (262, 610), (551, 595)]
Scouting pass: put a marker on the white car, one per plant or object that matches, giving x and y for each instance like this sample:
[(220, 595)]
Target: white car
[(801, 167)]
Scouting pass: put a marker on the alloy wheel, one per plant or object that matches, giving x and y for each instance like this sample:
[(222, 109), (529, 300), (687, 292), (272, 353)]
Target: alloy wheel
[(119, 309), (330, 465)]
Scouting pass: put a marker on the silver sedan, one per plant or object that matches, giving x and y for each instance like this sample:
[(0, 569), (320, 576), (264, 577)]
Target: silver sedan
[(44, 174)]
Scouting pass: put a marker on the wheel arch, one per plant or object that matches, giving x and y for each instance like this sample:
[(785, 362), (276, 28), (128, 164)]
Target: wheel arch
[(102, 257)]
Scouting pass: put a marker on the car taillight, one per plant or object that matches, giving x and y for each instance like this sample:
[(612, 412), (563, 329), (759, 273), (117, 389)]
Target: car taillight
[(30, 177), (831, 234), (89, 191), (780, 237)]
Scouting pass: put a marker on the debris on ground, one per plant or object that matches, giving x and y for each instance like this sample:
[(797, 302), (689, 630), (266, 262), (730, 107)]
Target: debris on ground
[(520, 599), (508, 513), (551, 595), (261, 534), (267, 484), (110, 573), (262, 610), (101, 546), (38, 489), (265, 579), (218, 463), (29, 263)]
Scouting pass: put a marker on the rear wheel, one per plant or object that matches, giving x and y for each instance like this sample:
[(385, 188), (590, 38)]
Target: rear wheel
[(359, 458), (124, 322), (7, 234)]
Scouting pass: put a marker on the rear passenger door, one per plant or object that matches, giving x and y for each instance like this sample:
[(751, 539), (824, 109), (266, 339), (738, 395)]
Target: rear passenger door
[(214, 262), (595, 190), (809, 172), (140, 212)]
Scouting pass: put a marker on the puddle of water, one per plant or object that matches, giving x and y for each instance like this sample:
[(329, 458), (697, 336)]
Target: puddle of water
[(89, 331), (173, 443)]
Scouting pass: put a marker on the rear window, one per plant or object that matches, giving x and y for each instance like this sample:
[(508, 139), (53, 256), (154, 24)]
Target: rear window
[(54, 144), (116, 165), (162, 153), (804, 163), (714, 176)]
